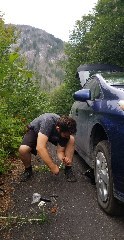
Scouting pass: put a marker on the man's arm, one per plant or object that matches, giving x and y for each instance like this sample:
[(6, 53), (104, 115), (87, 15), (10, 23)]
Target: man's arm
[(60, 152), (43, 153), (61, 155)]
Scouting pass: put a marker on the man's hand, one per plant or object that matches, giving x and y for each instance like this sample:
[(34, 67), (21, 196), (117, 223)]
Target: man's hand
[(54, 168), (66, 160)]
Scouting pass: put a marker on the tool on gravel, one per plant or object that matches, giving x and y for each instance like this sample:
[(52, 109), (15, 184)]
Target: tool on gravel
[(37, 198)]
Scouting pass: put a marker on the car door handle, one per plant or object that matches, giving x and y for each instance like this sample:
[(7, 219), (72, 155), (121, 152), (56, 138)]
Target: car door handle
[(76, 112)]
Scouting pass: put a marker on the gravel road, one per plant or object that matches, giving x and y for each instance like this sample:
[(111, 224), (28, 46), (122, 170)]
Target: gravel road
[(74, 215)]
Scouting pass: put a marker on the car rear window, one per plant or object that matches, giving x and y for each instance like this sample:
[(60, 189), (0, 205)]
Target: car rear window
[(115, 79)]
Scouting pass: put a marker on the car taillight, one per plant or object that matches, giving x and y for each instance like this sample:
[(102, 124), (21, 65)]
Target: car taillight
[(121, 104)]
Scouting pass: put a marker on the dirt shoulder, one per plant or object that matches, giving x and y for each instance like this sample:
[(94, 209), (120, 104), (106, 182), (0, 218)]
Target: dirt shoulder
[(6, 185), (62, 214), (6, 188)]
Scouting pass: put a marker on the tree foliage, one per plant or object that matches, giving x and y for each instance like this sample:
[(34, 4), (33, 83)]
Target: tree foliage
[(107, 34), (97, 38), (20, 97)]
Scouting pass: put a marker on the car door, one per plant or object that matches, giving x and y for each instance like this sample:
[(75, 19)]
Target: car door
[(85, 116)]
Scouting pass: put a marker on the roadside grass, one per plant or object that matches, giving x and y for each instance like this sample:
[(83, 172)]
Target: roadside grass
[(6, 222), (9, 221), (44, 168)]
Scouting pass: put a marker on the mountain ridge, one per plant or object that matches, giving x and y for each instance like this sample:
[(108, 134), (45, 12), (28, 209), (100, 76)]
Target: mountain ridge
[(44, 54)]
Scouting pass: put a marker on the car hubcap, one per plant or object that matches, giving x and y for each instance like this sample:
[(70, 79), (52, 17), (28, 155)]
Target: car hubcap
[(102, 176)]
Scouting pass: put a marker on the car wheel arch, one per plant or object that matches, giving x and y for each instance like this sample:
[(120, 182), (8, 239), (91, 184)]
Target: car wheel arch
[(98, 134)]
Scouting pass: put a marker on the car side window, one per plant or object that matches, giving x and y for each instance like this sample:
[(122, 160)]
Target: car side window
[(94, 87)]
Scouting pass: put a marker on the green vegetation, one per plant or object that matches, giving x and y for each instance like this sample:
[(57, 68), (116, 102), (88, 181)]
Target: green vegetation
[(97, 38), (45, 168), (19, 96), (10, 220)]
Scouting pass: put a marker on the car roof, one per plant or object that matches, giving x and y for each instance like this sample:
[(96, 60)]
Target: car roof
[(100, 67)]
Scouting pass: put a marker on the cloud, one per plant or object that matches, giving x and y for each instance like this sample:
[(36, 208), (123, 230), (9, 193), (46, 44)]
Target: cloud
[(56, 17)]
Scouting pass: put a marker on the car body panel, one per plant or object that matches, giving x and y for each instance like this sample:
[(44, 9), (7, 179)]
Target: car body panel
[(103, 118)]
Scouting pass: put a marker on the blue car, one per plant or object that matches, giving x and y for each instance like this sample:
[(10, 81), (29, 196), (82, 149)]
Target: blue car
[(99, 113)]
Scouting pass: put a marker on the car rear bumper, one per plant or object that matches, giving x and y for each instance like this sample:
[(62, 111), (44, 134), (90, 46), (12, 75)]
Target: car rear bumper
[(119, 188), (116, 138), (119, 195)]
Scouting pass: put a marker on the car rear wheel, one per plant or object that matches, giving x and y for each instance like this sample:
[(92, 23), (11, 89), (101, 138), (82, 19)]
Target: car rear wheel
[(104, 179)]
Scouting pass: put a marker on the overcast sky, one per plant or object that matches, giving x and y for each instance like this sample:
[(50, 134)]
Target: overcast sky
[(57, 17)]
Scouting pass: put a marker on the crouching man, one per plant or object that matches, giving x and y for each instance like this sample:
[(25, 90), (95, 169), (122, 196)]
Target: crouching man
[(49, 127)]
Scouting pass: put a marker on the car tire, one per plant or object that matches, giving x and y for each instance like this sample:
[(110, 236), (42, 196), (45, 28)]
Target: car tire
[(104, 179)]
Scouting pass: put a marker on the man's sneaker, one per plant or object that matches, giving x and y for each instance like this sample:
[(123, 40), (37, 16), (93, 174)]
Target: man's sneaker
[(26, 175), (70, 175)]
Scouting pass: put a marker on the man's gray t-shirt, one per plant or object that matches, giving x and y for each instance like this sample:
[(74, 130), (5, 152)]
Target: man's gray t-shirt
[(46, 124)]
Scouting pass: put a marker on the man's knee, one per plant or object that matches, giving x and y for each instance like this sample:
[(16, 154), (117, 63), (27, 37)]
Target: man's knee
[(24, 149)]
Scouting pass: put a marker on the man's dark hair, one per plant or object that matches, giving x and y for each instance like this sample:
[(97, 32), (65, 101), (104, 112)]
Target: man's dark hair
[(67, 124)]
